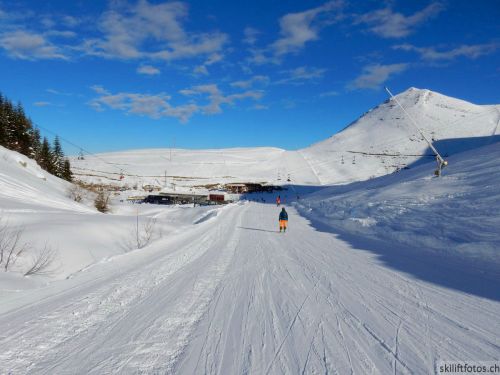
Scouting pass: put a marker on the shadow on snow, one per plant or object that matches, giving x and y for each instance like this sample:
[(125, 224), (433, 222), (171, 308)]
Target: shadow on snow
[(480, 279)]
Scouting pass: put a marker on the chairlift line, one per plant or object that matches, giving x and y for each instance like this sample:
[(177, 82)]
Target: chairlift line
[(438, 155), (82, 150), (440, 161)]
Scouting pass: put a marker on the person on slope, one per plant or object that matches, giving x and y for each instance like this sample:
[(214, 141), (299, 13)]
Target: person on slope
[(278, 201), (283, 219)]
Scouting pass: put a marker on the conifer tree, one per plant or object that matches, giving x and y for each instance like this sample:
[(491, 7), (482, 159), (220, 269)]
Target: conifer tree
[(46, 157), (66, 173), (22, 127), (18, 133), (36, 143), (10, 141), (58, 158), (3, 123)]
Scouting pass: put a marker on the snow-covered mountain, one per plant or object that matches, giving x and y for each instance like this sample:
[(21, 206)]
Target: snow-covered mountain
[(379, 142), (384, 139)]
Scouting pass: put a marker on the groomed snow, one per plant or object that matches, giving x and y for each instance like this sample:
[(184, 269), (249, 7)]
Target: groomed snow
[(231, 295)]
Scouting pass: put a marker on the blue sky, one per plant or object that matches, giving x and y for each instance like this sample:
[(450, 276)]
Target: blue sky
[(114, 75)]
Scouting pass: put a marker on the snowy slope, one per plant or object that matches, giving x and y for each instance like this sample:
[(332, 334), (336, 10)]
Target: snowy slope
[(38, 203), (194, 167), (455, 215), (384, 139), (24, 184), (380, 142), (234, 296)]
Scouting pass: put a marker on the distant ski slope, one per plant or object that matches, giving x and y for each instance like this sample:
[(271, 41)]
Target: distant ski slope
[(379, 142), (384, 139)]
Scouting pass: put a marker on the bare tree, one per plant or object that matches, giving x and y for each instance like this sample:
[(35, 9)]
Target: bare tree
[(142, 234), (145, 236), (11, 244), (101, 202), (42, 262), (76, 192)]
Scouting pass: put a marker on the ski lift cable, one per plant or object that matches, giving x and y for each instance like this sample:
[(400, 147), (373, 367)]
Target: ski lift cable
[(438, 155), (81, 148)]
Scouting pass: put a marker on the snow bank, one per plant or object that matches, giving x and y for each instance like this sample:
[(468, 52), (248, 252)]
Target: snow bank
[(456, 215), (26, 186), (38, 204)]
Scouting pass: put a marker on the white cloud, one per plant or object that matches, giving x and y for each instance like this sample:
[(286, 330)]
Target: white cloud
[(158, 106), (50, 21), (29, 46), (259, 56), (251, 35), (30, 36), (131, 33), (250, 82), (299, 76), (375, 75), (297, 29), (216, 98), (42, 104), (154, 106), (70, 21), (468, 51), (260, 107), (200, 69), (61, 34), (47, 22), (328, 94), (389, 24), (57, 92), (142, 31), (212, 59), (100, 90), (148, 70)]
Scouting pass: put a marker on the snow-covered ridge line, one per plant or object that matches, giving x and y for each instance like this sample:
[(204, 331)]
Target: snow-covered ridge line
[(380, 142)]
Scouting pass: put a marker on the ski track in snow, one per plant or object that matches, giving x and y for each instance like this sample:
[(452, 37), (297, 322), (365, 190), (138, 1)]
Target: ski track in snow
[(235, 296)]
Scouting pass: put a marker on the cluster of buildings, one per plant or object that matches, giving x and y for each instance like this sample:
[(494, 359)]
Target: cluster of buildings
[(231, 193)]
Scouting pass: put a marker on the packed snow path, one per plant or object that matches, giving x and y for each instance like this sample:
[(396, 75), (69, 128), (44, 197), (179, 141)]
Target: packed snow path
[(232, 295)]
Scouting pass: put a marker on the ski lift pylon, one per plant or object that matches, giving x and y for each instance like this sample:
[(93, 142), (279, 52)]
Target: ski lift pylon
[(440, 161)]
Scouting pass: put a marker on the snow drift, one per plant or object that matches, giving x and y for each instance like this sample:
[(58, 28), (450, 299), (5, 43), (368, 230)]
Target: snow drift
[(455, 215)]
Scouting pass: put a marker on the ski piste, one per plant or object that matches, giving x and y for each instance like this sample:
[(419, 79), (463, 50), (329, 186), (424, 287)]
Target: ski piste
[(210, 297)]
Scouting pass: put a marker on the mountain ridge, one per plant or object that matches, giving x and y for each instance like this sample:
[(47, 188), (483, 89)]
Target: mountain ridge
[(381, 141)]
